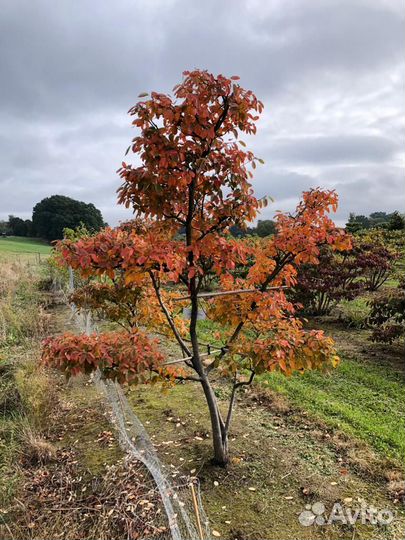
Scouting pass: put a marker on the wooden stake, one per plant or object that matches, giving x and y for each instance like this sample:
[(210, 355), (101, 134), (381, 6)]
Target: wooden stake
[(197, 513)]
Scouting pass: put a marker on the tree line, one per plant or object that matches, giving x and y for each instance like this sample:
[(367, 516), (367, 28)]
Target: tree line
[(51, 216)]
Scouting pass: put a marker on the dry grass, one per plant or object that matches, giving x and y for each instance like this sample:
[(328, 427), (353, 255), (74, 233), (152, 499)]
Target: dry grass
[(61, 500), (35, 449), (37, 391)]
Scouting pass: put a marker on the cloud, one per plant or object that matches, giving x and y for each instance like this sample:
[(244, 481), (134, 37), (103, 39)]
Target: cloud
[(330, 73)]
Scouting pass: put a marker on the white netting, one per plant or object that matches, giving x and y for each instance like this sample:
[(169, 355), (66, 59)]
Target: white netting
[(182, 501)]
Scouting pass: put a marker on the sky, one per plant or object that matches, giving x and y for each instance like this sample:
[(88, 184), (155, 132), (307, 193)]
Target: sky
[(330, 73)]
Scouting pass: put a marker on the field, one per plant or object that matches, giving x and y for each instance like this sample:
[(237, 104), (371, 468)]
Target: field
[(20, 245), (295, 441)]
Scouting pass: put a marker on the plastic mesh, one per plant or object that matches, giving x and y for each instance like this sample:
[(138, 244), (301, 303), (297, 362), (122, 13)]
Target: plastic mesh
[(182, 501)]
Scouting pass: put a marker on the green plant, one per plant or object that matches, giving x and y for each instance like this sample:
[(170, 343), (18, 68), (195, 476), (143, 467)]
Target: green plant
[(354, 313)]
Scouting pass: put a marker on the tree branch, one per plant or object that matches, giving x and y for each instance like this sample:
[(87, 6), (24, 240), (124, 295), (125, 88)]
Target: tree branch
[(168, 316), (236, 385)]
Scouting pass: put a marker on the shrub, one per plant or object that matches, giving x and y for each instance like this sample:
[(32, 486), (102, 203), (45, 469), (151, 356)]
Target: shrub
[(320, 287), (343, 276), (387, 316)]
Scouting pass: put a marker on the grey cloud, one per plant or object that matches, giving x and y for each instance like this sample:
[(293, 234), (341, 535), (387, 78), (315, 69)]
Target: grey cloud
[(330, 72), (334, 149)]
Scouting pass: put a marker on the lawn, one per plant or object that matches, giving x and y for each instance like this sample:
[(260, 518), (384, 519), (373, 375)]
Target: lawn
[(18, 244), (361, 399)]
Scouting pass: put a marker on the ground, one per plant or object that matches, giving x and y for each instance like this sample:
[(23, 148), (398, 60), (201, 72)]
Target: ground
[(325, 438), (19, 244)]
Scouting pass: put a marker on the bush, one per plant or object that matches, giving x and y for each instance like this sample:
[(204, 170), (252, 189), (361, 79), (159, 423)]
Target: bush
[(387, 315), (320, 287), (366, 267)]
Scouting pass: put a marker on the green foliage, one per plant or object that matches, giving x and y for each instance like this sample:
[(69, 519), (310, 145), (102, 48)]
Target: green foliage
[(396, 222), (393, 221), (265, 227), (354, 313), (53, 214)]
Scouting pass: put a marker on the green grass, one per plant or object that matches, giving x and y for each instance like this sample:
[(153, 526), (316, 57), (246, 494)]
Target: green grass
[(354, 313), (361, 399), (17, 244)]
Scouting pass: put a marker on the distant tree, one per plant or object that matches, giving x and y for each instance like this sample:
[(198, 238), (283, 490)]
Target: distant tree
[(53, 214), (356, 223), (28, 227), (4, 227), (17, 226), (378, 219), (393, 221), (396, 222), (237, 231), (265, 227)]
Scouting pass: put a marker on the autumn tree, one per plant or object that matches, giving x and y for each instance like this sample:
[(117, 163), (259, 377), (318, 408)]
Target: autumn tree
[(194, 176), (334, 277)]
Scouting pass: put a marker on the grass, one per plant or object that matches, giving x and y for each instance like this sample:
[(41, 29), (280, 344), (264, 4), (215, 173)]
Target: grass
[(18, 244), (361, 399), (354, 313)]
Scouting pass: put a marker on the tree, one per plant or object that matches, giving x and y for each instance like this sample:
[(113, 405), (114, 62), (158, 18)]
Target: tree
[(17, 226), (375, 220), (396, 222), (194, 174), (265, 227), (53, 214), (28, 227), (343, 276), (334, 278), (4, 228), (356, 223)]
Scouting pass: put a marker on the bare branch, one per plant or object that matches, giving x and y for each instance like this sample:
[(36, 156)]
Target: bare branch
[(168, 316)]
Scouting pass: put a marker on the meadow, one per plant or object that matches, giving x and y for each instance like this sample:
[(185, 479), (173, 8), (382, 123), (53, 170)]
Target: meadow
[(21, 245)]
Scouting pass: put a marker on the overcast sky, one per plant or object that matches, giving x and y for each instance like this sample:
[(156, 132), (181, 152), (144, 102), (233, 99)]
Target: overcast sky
[(330, 73)]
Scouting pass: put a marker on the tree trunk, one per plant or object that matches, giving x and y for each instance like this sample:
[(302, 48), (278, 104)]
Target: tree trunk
[(219, 432)]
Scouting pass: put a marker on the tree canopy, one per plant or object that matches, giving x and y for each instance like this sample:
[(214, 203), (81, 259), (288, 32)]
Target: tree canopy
[(194, 174), (53, 214), (393, 221)]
